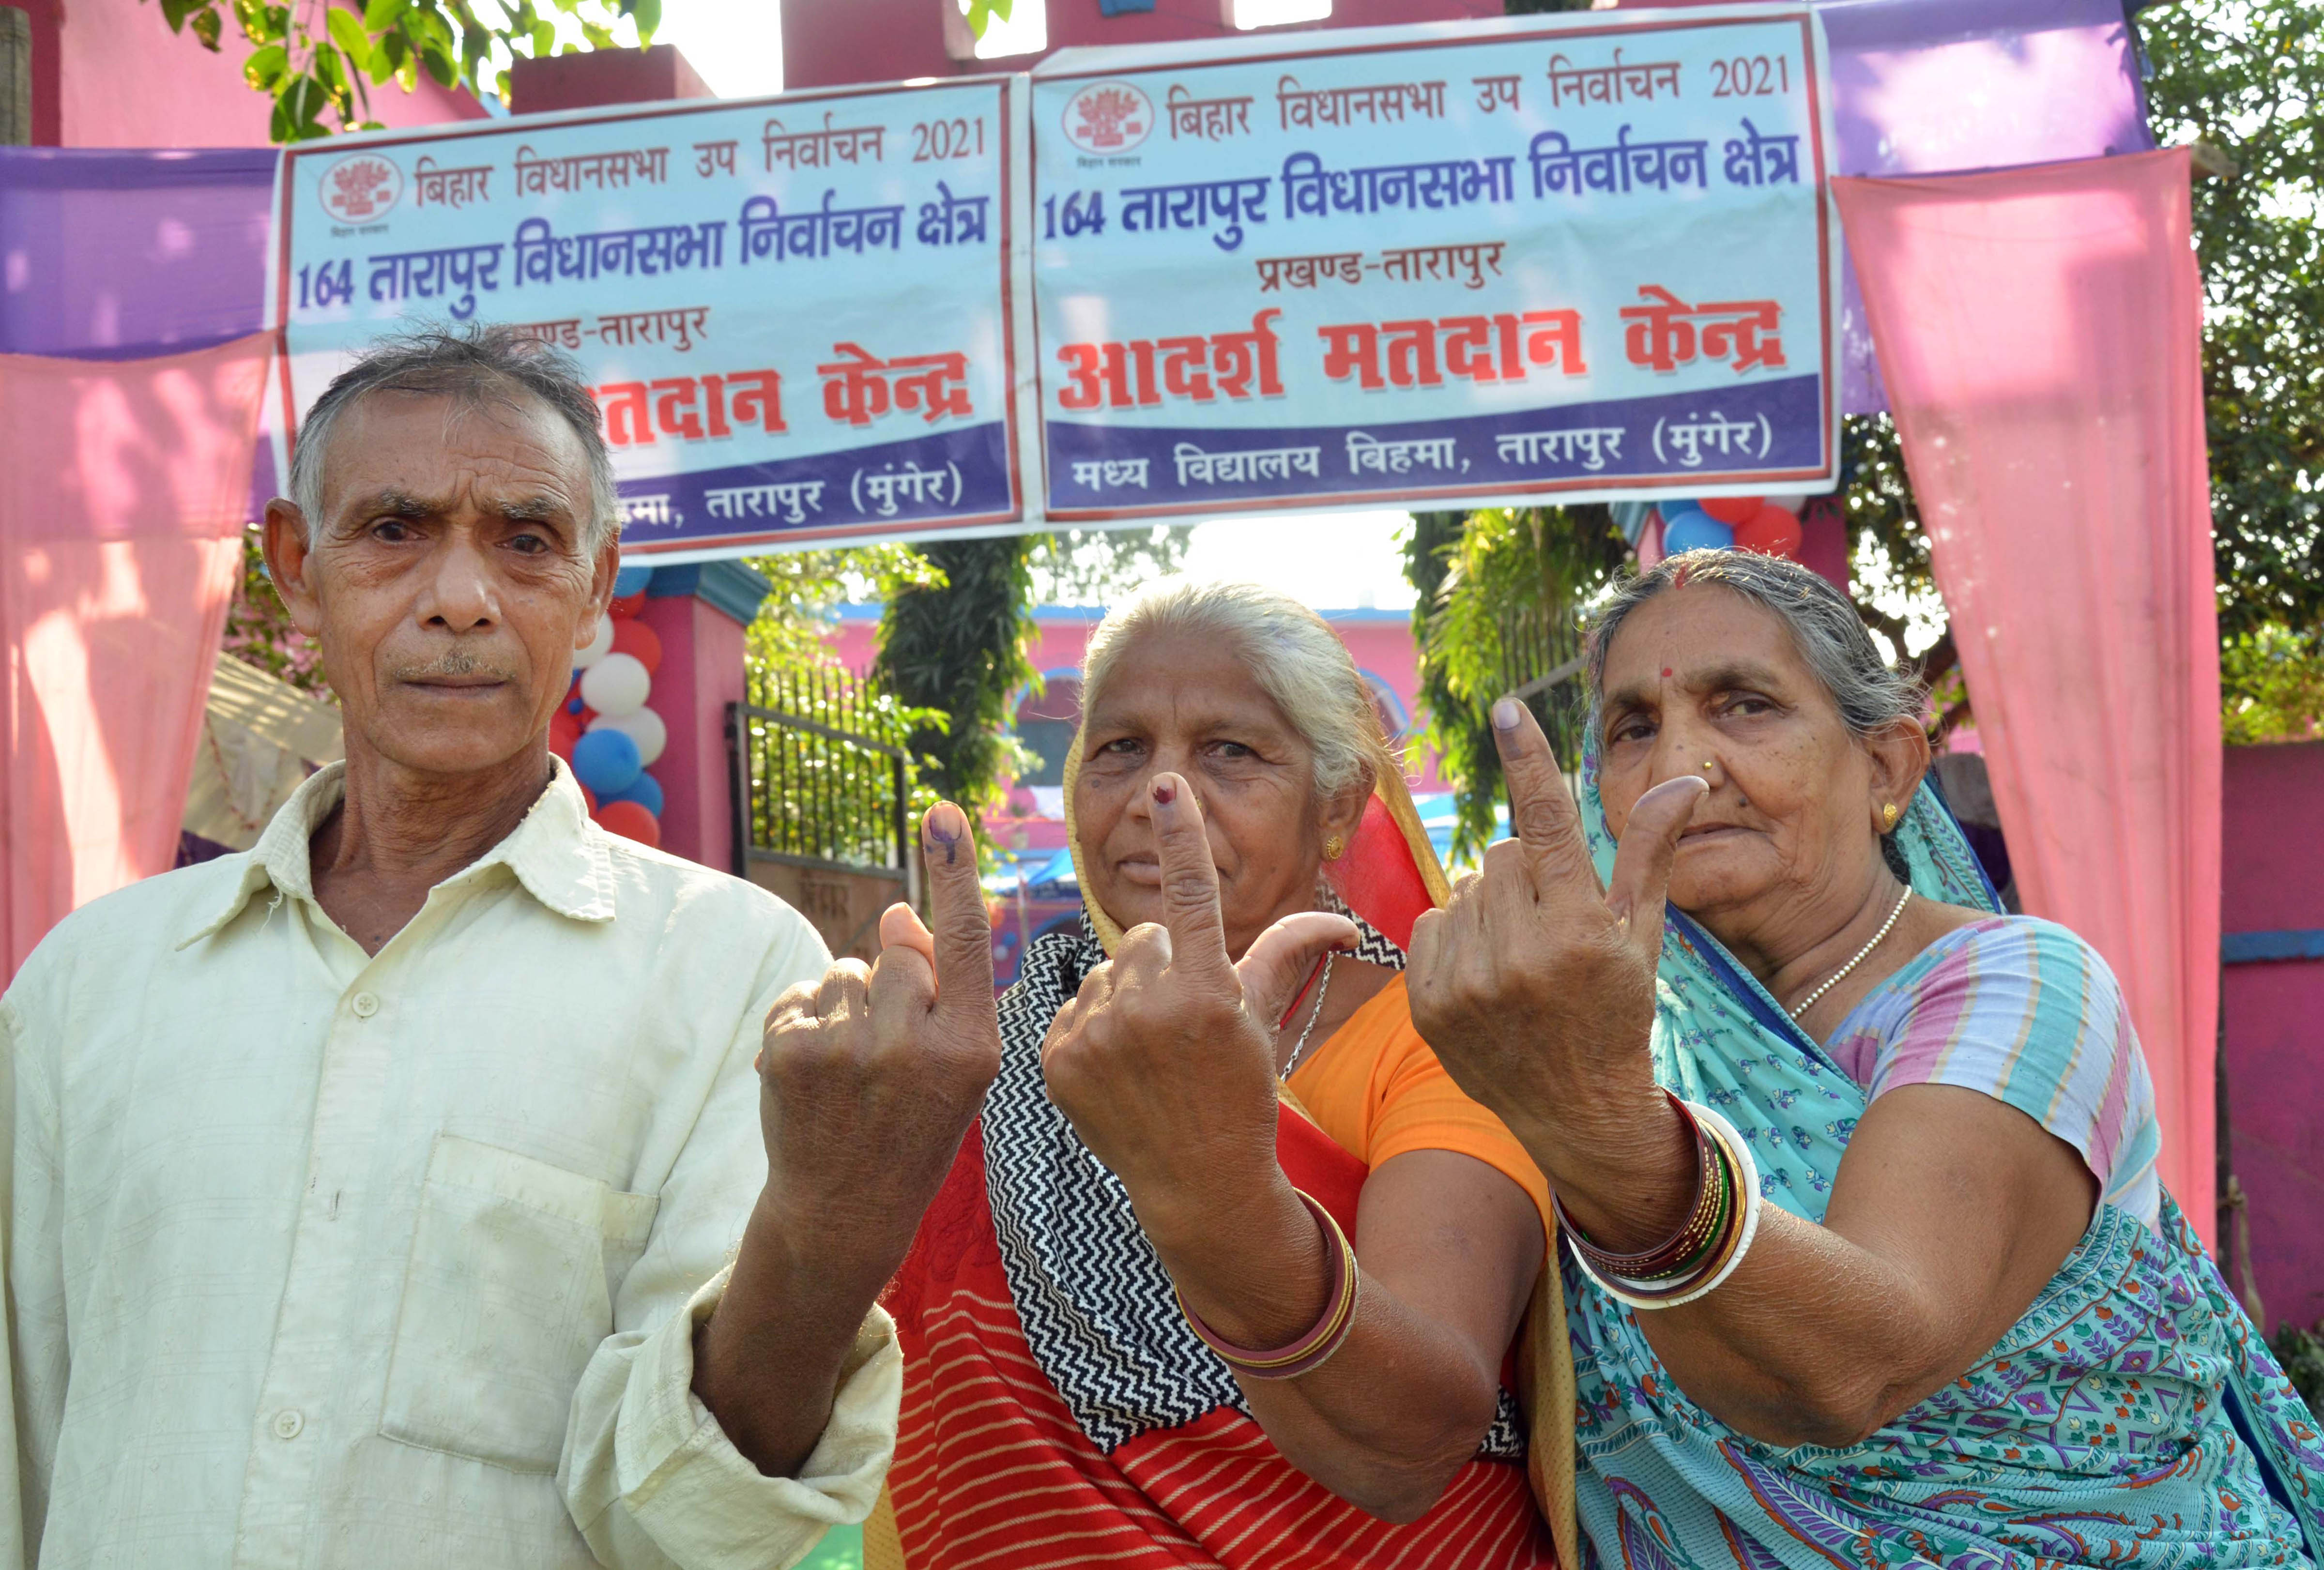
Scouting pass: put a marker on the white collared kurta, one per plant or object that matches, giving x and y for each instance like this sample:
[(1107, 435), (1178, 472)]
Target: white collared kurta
[(318, 1258)]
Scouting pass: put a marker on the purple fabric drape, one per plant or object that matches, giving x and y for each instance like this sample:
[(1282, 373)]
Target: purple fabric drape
[(124, 256), (1939, 87)]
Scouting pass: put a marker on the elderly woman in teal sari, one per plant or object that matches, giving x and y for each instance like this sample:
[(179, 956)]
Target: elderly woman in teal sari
[(1864, 1257)]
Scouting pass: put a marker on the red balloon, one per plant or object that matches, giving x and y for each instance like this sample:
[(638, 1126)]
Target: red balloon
[(564, 730), (624, 608), (635, 637), (1733, 511), (630, 819), (1772, 530)]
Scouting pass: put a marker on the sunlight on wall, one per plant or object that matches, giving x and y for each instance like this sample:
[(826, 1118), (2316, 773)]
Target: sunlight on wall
[(1026, 31), (1251, 13)]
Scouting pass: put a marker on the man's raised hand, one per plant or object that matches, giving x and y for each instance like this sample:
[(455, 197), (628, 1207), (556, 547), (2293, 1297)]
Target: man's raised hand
[(870, 1077), (1164, 1063)]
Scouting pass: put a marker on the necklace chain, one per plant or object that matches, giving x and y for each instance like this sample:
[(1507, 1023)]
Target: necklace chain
[(1313, 1014), (1834, 979)]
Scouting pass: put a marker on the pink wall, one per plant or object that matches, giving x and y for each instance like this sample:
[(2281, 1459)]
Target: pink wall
[(128, 81), (2273, 880), (701, 673), (830, 41)]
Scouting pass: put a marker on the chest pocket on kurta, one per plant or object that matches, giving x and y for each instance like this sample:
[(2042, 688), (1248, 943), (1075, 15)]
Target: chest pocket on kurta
[(508, 1293)]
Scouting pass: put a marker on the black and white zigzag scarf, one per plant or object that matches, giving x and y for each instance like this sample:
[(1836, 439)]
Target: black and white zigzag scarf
[(1091, 1294)]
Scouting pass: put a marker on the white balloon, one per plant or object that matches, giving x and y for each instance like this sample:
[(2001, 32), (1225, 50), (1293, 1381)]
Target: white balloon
[(1790, 501), (643, 727), (598, 647), (617, 684)]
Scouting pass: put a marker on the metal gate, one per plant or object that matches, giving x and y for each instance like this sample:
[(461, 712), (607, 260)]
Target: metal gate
[(821, 795)]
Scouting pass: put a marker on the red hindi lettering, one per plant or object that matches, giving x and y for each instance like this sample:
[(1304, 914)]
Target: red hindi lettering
[(854, 388), (1553, 339), (673, 413), (1352, 350), (628, 415), (1659, 333), (1412, 354), (935, 384), (758, 395), (1736, 334)]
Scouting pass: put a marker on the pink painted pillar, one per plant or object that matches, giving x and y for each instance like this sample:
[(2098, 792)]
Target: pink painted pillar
[(698, 611)]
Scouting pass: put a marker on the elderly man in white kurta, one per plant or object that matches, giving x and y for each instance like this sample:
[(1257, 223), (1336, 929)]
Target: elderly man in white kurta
[(398, 1192)]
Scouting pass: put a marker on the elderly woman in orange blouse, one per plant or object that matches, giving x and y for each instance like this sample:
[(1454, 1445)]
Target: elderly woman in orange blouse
[(1228, 1272)]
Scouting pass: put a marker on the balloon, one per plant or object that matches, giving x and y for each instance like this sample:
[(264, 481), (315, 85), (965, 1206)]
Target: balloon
[(626, 606), (564, 730), (645, 791), (1696, 532), (1732, 511), (606, 761), (643, 727), (599, 646), (1771, 532), (1672, 511), (631, 580), (629, 820), (616, 685), (638, 640)]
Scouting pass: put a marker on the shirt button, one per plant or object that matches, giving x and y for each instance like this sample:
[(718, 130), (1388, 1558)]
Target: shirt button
[(366, 1004), (288, 1423)]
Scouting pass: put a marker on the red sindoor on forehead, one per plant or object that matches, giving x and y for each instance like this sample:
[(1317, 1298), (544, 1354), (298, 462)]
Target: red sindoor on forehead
[(1666, 673)]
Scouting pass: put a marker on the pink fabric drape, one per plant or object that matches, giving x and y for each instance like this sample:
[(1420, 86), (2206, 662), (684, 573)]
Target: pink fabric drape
[(2040, 332), (123, 489)]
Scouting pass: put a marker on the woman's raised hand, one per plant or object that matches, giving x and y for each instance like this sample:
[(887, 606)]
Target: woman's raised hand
[(870, 1077), (1164, 1063), (1536, 986)]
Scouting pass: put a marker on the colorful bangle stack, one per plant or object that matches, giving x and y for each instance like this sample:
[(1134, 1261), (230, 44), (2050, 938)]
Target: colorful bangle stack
[(1315, 1349), (1697, 1258)]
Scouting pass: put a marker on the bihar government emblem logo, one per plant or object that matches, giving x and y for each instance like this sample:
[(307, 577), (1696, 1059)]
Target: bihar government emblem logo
[(1108, 118), (360, 188)]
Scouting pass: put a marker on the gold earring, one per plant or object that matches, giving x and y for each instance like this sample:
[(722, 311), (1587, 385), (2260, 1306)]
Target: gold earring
[(1888, 815), (1334, 847), (1706, 765)]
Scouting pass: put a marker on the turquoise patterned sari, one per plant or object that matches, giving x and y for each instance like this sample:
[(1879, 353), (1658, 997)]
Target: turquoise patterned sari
[(2132, 1416)]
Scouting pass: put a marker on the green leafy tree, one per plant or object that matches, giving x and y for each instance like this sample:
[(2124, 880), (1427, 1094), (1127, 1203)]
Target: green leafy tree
[(2244, 79), (1499, 610), (1096, 566), (953, 644), (316, 59)]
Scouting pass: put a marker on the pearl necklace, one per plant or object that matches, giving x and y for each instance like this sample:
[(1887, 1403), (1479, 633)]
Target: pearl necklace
[(1833, 980)]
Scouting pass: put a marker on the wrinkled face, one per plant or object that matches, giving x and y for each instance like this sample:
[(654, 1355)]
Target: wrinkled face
[(1697, 675), (449, 579), (1187, 705)]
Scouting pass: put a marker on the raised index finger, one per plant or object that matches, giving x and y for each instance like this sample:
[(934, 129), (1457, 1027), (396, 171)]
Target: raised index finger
[(1190, 879), (960, 926), (1541, 809)]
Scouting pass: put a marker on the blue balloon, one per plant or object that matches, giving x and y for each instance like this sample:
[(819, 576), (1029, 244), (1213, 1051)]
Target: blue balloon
[(630, 580), (1673, 512), (1695, 531), (645, 791), (606, 761)]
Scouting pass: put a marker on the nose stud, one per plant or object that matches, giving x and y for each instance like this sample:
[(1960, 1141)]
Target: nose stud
[(1706, 765)]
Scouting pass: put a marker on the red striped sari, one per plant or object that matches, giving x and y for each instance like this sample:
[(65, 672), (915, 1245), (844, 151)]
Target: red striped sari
[(993, 1471)]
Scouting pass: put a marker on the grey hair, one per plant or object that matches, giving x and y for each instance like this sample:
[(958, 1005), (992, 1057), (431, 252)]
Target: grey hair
[(1832, 638), (1294, 656), (476, 365)]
